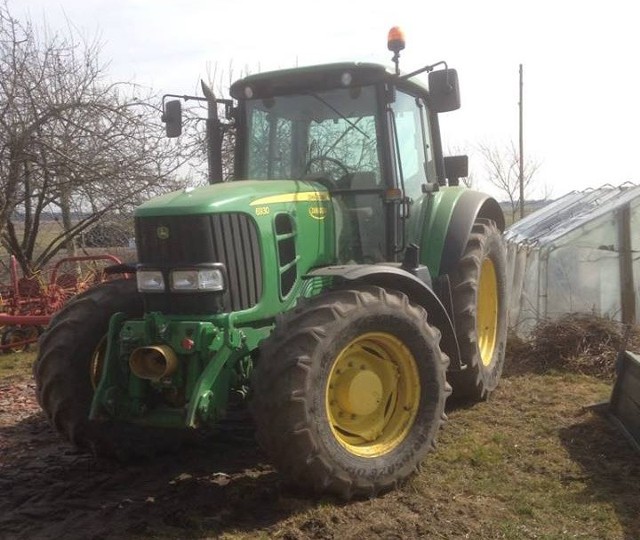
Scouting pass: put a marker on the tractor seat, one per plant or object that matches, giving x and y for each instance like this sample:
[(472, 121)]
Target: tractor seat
[(364, 205), (366, 211), (363, 180)]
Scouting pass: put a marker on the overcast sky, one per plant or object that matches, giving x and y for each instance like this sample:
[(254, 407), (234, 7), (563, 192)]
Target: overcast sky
[(581, 74)]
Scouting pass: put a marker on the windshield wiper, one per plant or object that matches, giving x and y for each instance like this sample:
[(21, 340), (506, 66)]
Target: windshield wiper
[(352, 124)]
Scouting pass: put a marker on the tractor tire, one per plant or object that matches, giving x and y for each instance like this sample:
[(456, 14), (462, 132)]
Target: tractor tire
[(348, 392), (66, 368), (479, 293)]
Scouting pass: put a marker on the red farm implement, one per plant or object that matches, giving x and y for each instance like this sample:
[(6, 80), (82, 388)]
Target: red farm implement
[(27, 303)]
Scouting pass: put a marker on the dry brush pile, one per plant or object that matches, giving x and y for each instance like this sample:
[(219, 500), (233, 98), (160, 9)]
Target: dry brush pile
[(575, 342)]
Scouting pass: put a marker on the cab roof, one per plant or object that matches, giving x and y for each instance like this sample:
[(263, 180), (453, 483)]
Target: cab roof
[(319, 77)]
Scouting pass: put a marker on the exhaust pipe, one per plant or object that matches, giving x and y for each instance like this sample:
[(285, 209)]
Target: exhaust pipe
[(153, 363)]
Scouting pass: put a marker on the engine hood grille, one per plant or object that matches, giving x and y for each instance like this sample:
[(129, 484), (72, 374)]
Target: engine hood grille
[(228, 238)]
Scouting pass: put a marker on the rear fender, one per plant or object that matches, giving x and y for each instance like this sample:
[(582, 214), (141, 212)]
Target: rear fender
[(395, 278), (451, 213)]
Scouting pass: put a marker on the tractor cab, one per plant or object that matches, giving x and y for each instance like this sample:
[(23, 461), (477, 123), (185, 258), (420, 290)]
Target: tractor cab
[(299, 126), (362, 132), (366, 134)]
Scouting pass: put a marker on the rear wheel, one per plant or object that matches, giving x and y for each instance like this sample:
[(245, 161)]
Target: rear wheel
[(479, 294), (349, 392)]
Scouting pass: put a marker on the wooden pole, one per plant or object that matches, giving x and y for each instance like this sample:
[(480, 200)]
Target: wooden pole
[(627, 286), (521, 176)]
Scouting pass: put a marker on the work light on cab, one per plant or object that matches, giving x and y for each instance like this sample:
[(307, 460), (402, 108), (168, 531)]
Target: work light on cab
[(395, 43), (395, 40)]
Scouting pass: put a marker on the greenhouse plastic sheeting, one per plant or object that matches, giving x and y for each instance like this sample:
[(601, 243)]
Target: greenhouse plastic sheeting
[(566, 257)]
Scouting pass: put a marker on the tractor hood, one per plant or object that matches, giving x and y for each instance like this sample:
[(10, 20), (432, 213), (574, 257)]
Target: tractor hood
[(238, 196), (266, 233)]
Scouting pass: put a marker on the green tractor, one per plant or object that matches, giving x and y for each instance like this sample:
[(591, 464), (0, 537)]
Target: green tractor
[(342, 284)]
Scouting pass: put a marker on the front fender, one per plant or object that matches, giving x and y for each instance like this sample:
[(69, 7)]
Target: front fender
[(395, 278)]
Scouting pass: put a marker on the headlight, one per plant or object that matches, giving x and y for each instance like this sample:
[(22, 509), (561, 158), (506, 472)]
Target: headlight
[(150, 281), (202, 279)]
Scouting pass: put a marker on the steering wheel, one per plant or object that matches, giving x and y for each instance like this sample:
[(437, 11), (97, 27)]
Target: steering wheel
[(327, 167)]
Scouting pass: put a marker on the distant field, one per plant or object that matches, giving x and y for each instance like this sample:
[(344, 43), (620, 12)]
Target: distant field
[(49, 230)]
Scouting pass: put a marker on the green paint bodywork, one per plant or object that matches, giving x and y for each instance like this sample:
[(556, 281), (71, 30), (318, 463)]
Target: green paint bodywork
[(216, 362), (430, 230), (220, 358), (223, 197), (315, 239)]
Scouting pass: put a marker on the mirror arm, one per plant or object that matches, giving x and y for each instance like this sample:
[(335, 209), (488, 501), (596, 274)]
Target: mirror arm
[(426, 68), (228, 103)]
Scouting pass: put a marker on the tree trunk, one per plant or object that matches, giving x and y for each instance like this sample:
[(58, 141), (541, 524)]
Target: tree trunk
[(65, 207)]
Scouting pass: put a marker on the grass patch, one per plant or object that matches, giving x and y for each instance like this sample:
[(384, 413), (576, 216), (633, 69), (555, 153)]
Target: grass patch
[(16, 367), (532, 463)]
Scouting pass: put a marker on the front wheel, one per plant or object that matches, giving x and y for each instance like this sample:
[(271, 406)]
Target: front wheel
[(479, 292), (68, 364), (349, 392)]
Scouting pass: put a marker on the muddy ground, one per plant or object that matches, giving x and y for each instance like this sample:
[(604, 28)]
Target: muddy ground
[(49, 490), (531, 463)]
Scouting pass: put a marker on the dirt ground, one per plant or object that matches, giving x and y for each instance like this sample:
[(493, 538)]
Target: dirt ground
[(530, 463), (49, 490)]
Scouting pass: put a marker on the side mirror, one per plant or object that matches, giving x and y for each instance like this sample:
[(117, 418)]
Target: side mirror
[(444, 90), (172, 117), (456, 167)]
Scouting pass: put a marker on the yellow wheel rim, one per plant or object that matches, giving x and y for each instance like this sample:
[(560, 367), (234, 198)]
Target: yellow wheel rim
[(373, 394), (97, 362), (487, 311)]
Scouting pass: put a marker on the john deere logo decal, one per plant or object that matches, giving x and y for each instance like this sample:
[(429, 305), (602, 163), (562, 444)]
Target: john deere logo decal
[(162, 232), (318, 212)]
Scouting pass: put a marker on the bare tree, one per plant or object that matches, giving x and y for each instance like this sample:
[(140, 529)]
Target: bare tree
[(71, 142), (502, 170)]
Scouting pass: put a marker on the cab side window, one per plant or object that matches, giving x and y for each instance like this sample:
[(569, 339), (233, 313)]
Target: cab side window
[(414, 153)]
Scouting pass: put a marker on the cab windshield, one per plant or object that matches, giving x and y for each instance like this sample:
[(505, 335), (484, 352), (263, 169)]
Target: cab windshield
[(327, 135)]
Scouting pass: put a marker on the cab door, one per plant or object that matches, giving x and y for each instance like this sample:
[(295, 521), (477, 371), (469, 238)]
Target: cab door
[(413, 163)]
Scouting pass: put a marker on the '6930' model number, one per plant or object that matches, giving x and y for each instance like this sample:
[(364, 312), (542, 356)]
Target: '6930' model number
[(262, 210)]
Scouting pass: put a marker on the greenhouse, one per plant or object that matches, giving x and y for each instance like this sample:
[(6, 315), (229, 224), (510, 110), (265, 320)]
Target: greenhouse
[(578, 254)]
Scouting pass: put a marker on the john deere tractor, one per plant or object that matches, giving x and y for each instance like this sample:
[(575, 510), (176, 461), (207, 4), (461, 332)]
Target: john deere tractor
[(341, 284)]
